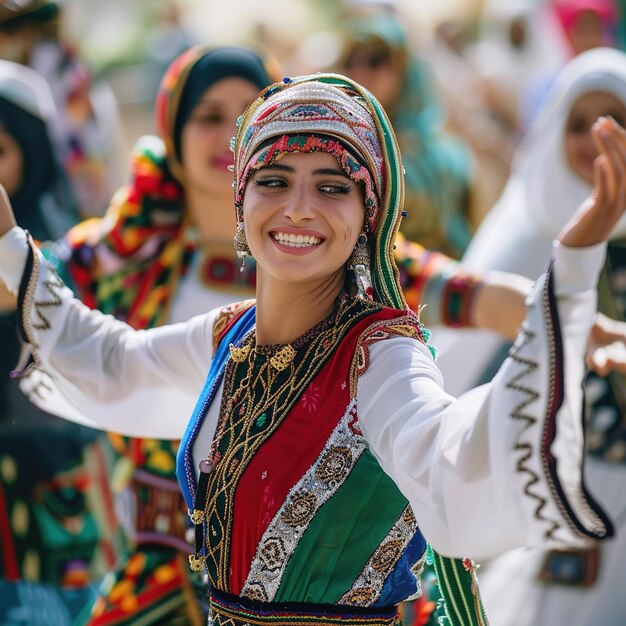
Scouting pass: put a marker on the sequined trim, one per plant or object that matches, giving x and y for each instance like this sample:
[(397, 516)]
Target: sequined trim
[(367, 587), (305, 498), (256, 399)]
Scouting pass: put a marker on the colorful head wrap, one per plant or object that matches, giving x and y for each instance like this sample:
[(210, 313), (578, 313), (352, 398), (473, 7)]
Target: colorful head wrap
[(188, 77), (143, 229), (331, 113)]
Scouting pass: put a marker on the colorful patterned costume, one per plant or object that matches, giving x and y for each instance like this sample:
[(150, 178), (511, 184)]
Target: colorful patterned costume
[(285, 440), (104, 262)]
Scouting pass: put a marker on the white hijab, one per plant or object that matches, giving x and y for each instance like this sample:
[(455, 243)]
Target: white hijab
[(540, 196), (542, 192)]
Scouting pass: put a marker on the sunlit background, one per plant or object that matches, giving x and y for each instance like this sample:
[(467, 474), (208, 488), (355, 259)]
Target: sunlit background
[(131, 42)]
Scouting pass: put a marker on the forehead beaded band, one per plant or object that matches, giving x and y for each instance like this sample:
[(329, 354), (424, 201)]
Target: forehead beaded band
[(313, 117)]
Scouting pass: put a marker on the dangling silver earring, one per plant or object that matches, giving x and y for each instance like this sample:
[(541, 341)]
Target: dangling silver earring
[(240, 244), (359, 263)]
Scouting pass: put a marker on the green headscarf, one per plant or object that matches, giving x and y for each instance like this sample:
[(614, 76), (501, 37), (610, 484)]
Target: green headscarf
[(437, 165)]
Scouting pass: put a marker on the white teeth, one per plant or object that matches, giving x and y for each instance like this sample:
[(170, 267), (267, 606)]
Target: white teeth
[(297, 241)]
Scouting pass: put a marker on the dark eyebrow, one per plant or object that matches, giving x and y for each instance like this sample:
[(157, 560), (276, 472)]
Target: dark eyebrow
[(326, 171)]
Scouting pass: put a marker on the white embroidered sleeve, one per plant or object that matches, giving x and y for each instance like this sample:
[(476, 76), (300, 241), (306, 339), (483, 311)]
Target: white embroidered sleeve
[(501, 466), (95, 370)]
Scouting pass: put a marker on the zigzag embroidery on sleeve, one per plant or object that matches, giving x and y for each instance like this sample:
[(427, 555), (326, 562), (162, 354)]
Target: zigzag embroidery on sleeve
[(526, 448), (32, 314), (51, 285)]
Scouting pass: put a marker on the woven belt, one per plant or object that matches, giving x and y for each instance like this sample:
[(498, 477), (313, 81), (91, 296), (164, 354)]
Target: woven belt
[(229, 610)]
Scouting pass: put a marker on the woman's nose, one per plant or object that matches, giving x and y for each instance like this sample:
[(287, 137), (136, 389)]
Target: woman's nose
[(299, 205)]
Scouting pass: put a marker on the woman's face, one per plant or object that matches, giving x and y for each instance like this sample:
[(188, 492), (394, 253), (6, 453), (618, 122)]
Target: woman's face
[(302, 217), (205, 140), (11, 163), (580, 149), (587, 32), (372, 66)]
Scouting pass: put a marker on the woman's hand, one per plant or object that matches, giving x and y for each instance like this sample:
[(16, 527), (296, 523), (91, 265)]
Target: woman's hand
[(7, 218), (606, 350), (597, 216)]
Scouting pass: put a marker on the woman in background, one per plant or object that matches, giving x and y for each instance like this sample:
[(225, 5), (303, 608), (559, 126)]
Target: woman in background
[(553, 171), (87, 133), (438, 166)]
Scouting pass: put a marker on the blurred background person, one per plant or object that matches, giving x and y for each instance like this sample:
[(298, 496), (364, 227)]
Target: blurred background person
[(553, 169), (466, 102), (58, 526), (517, 51), (438, 166), (86, 131), (588, 24), (168, 38)]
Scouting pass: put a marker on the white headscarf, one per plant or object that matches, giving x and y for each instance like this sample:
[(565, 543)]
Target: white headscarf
[(540, 196), (542, 192), (27, 89)]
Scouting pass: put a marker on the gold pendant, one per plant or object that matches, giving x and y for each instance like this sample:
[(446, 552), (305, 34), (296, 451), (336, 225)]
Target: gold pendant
[(281, 360), (239, 355)]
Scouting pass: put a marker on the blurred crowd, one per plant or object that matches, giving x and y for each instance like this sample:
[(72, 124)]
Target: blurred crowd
[(121, 171)]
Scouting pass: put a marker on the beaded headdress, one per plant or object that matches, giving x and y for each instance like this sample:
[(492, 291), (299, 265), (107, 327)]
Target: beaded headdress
[(332, 113)]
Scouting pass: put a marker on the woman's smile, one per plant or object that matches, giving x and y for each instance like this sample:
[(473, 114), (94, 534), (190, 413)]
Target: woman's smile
[(296, 241)]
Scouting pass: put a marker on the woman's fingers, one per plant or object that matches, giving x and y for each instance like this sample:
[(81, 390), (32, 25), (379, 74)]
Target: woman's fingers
[(606, 359), (601, 180), (601, 132)]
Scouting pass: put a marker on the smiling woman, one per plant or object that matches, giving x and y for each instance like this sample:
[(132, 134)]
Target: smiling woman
[(303, 206), (323, 452)]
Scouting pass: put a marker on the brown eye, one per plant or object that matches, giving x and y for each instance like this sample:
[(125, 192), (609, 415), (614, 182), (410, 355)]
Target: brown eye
[(578, 127), (209, 118), (334, 188), (270, 181)]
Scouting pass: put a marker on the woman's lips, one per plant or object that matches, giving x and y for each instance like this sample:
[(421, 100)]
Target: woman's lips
[(223, 161)]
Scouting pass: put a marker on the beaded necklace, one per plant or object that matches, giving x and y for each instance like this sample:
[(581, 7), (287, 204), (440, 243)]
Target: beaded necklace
[(261, 385)]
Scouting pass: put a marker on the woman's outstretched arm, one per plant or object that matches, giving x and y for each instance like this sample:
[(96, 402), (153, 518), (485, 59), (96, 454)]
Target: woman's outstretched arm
[(91, 368), (501, 466)]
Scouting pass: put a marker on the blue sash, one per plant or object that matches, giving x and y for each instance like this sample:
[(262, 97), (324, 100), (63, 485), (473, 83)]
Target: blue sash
[(185, 471)]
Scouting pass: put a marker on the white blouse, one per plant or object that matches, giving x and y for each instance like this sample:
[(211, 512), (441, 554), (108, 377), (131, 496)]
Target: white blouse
[(497, 468)]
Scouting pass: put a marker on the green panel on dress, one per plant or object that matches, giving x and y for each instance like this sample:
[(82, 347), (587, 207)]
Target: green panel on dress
[(368, 501), (457, 583)]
